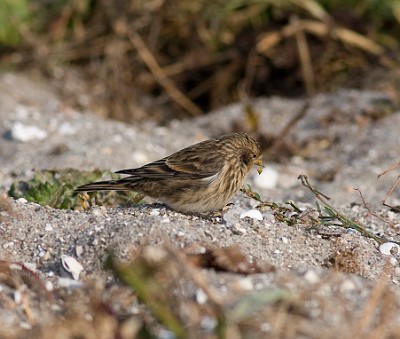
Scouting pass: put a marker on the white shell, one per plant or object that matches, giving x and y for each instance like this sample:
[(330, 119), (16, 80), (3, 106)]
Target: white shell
[(254, 214), (72, 266), (389, 248)]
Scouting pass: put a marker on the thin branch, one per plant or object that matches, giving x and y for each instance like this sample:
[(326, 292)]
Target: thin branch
[(346, 222)]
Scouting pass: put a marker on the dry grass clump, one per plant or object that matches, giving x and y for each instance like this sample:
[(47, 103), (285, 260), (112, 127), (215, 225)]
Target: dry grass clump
[(164, 59)]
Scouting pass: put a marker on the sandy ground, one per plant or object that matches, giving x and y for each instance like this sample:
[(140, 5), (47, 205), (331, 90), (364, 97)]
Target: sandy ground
[(339, 280)]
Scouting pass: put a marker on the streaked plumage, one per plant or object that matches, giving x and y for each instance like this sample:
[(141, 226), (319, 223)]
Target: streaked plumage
[(199, 178)]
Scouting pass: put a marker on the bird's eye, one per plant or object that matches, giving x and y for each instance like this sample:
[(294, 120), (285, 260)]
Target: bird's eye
[(254, 156)]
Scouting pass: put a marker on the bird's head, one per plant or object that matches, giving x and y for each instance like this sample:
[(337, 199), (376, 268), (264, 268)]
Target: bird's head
[(247, 149)]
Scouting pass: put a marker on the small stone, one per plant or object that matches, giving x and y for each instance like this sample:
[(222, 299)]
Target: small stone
[(285, 240), (49, 286), (389, 248), (8, 245), (254, 214), (238, 229), (201, 297), (42, 251), (265, 327), (311, 277), (268, 179), (78, 250), (347, 286), (48, 227), (26, 133), (246, 284), (46, 255), (208, 323), (98, 212), (69, 283), (17, 297), (25, 326)]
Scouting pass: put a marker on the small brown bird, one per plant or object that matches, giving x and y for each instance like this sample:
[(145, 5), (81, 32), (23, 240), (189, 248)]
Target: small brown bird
[(199, 178)]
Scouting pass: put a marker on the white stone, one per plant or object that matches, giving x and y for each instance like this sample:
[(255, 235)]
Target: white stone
[(268, 179), (49, 286), (48, 227), (69, 283), (254, 214), (26, 133), (201, 297), (155, 212), (312, 277), (389, 248), (285, 240)]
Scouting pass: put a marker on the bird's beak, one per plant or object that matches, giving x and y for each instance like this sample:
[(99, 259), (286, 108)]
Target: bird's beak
[(260, 165)]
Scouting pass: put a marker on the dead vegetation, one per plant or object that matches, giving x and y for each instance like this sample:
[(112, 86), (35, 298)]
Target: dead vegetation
[(170, 59), (160, 292)]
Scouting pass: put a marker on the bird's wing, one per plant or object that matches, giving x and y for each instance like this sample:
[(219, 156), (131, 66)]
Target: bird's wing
[(189, 163)]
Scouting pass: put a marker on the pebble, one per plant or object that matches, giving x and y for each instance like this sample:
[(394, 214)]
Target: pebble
[(311, 277), (8, 244), (78, 250), (231, 216), (285, 240), (42, 251), (253, 214), (347, 286), (17, 297), (246, 284), (201, 297), (69, 283), (208, 323), (26, 326), (389, 248), (265, 327), (98, 211), (49, 286), (48, 227), (268, 179), (238, 229), (165, 219), (26, 133)]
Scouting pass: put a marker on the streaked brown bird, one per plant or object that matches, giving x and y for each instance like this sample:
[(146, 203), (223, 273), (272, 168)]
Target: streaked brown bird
[(199, 178)]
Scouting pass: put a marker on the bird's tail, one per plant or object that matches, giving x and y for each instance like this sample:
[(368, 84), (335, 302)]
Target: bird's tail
[(108, 185)]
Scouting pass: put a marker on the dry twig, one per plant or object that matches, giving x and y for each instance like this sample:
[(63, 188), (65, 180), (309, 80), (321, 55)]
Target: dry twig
[(149, 59), (391, 188)]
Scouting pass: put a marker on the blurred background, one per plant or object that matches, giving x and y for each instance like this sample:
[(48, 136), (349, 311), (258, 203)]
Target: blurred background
[(166, 59)]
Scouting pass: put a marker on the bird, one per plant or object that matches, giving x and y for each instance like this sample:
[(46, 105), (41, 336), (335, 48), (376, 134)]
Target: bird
[(199, 178)]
